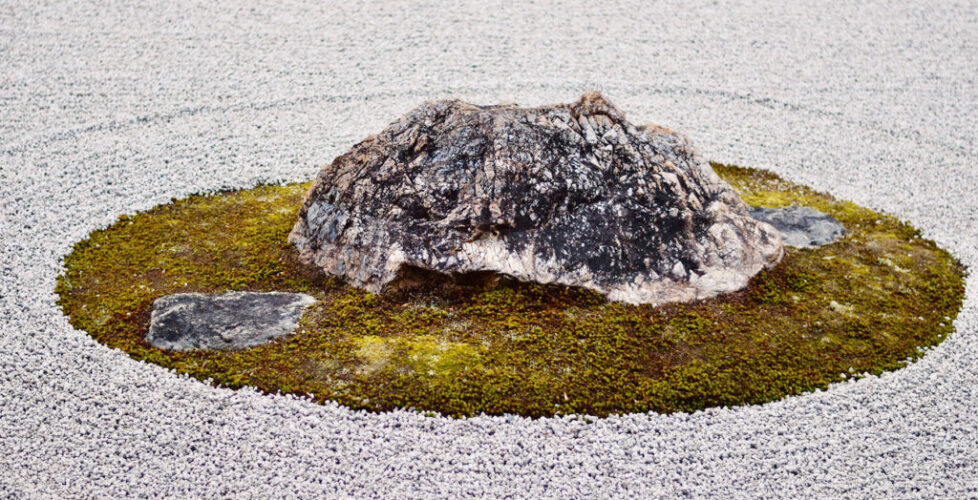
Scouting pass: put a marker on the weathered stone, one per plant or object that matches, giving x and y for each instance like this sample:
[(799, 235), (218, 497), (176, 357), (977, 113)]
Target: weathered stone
[(566, 194), (800, 226), (236, 320)]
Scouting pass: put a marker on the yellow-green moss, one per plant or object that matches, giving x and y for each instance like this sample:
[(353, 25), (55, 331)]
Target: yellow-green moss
[(426, 354), (863, 304)]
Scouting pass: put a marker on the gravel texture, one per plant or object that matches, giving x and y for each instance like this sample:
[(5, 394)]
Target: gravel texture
[(114, 106)]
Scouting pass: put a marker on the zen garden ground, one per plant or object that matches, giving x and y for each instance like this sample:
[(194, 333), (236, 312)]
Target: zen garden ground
[(864, 304)]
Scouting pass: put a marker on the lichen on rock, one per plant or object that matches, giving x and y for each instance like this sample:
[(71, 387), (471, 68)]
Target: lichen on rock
[(565, 194)]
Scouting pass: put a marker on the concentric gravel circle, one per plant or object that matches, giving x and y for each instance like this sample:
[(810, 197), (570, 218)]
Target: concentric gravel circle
[(115, 108)]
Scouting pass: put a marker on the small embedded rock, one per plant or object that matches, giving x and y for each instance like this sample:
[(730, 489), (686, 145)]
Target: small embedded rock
[(801, 226), (235, 320)]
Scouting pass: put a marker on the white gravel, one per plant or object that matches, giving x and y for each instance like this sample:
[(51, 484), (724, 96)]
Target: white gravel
[(114, 106)]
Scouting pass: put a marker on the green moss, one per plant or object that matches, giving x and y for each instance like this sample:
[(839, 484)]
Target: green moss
[(862, 304), (425, 354)]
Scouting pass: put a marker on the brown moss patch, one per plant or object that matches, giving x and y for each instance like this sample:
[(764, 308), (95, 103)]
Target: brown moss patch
[(863, 304)]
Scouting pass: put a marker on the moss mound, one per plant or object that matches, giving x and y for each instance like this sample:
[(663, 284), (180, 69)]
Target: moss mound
[(863, 304)]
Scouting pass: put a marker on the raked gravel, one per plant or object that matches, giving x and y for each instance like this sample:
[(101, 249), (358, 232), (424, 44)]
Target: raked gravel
[(114, 106)]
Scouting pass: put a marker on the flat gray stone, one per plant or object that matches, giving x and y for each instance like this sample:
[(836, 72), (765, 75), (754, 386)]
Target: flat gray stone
[(229, 321), (800, 226)]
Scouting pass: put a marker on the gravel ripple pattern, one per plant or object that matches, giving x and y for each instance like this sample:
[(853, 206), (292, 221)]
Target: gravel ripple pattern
[(115, 106)]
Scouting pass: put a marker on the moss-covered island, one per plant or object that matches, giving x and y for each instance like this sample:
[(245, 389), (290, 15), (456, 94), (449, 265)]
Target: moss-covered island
[(865, 303)]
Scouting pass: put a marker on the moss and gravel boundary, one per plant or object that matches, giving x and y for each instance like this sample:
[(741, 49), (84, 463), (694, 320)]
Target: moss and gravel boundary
[(865, 304)]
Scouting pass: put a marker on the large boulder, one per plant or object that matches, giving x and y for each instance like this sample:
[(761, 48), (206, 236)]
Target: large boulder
[(567, 194)]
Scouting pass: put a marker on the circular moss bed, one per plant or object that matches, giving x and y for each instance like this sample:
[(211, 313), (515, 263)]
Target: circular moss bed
[(864, 304)]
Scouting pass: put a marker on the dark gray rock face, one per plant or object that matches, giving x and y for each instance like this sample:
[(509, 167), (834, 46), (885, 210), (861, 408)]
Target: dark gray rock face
[(236, 320), (567, 194), (801, 226)]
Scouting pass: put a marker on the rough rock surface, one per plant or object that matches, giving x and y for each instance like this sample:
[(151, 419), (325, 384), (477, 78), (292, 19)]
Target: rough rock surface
[(800, 226), (236, 320), (567, 194)]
